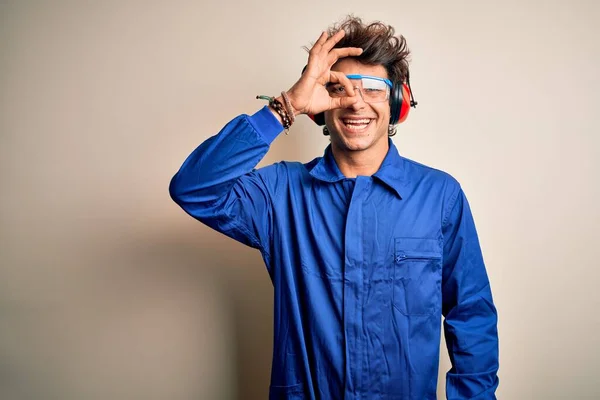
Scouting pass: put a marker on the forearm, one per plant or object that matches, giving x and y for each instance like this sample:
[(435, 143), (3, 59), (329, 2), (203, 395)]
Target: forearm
[(472, 340), (213, 167), (470, 324)]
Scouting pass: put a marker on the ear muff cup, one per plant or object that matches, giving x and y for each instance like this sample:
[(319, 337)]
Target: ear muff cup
[(318, 119), (399, 103)]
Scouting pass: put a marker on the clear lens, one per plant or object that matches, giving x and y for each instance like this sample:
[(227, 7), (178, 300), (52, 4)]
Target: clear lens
[(371, 90)]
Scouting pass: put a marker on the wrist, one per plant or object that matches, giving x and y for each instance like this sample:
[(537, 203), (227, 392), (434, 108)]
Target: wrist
[(279, 106), (275, 113), (292, 103)]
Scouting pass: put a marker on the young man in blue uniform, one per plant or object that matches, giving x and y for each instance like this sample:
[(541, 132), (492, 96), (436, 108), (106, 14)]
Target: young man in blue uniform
[(365, 248)]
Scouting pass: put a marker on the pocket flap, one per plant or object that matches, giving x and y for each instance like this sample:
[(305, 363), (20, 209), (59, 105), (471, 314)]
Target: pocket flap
[(417, 248)]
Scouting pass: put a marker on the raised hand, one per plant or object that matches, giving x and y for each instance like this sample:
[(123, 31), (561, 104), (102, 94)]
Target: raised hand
[(309, 95)]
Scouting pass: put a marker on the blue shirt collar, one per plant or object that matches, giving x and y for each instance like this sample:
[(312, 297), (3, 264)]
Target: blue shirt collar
[(391, 172)]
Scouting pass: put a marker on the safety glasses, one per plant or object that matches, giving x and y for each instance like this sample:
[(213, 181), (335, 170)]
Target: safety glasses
[(372, 89)]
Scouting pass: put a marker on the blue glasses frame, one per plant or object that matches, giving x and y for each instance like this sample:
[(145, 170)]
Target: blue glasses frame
[(359, 76)]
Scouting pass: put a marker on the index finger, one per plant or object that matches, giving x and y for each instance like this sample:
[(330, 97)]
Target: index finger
[(342, 52)]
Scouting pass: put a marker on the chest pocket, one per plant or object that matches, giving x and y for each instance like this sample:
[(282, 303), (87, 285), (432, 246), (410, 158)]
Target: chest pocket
[(417, 276)]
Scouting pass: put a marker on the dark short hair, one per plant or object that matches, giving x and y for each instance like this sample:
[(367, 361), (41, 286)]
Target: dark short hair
[(379, 43)]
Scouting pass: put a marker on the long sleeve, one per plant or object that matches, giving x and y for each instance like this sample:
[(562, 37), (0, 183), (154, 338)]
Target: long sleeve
[(219, 185), (470, 324)]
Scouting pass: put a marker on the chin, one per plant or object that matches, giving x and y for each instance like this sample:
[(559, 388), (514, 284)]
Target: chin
[(356, 143)]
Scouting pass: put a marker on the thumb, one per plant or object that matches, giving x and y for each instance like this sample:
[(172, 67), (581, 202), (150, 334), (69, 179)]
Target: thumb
[(343, 102)]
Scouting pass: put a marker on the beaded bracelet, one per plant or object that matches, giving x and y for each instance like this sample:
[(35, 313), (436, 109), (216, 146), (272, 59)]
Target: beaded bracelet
[(288, 105), (280, 109)]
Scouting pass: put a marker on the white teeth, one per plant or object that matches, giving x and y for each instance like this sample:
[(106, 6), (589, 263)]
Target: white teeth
[(356, 121), (356, 124)]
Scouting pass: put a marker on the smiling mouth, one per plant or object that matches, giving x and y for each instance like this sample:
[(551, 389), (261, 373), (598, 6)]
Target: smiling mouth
[(354, 124)]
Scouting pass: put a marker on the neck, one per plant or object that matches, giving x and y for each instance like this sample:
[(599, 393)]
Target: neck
[(355, 163)]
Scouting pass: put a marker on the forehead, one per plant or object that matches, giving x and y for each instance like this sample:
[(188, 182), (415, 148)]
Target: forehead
[(350, 66)]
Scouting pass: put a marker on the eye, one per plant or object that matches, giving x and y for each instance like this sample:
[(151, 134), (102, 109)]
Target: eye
[(373, 90), (336, 89)]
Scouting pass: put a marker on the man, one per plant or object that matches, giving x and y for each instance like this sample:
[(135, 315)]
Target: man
[(366, 249)]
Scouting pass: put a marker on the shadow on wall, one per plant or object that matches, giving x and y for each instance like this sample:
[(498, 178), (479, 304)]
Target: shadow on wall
[(180, 314), (243, 294)]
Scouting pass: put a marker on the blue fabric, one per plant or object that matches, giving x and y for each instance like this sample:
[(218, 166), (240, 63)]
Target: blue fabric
[(362, 268)]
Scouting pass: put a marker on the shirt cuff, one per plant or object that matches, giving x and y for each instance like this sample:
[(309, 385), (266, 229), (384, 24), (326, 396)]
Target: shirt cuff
[(266, 124)]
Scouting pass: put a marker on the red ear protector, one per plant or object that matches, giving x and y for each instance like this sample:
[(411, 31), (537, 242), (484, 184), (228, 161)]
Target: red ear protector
[(401, 100)]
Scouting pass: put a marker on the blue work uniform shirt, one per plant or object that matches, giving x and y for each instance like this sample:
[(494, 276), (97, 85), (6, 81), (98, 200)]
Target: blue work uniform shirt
[(362, 268)]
